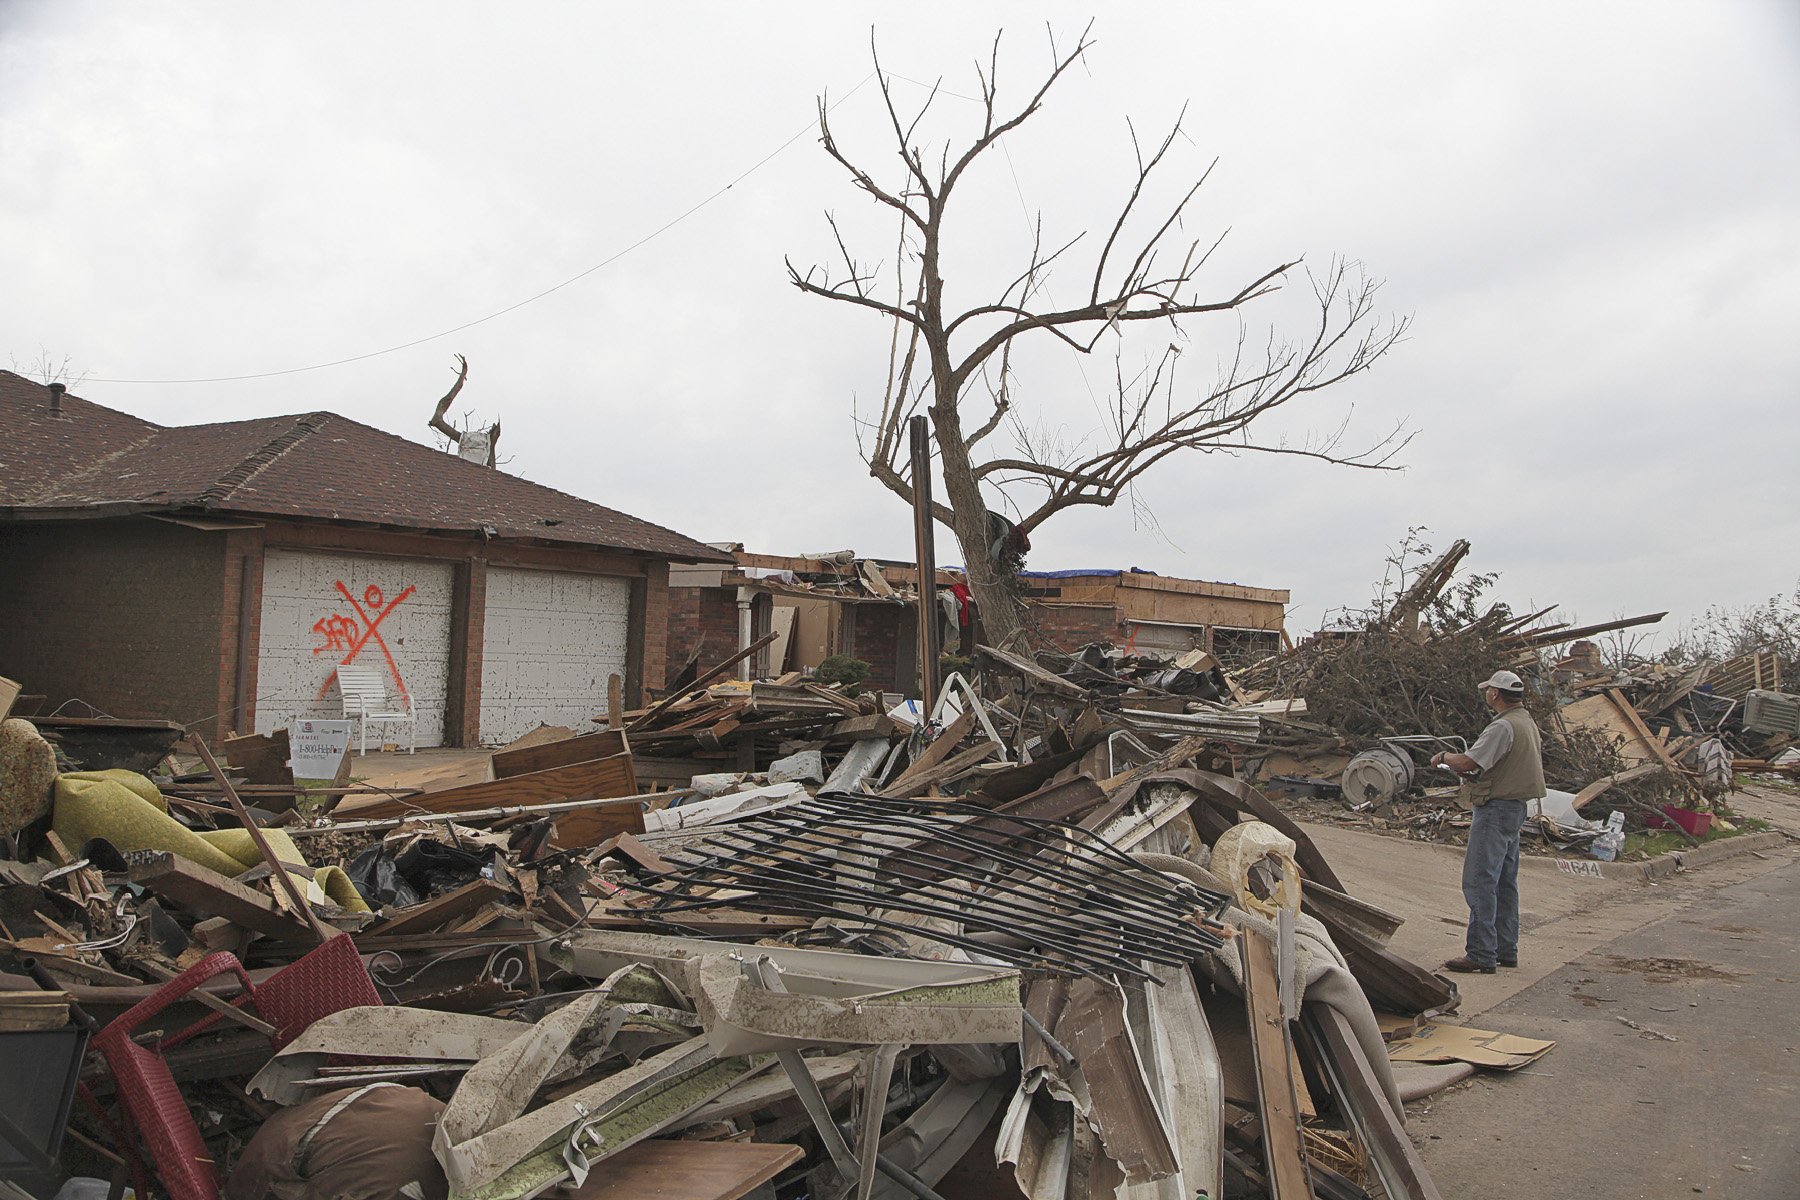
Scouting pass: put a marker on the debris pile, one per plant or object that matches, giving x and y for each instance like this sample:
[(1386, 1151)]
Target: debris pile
[(1365, 706), (1037, 939)]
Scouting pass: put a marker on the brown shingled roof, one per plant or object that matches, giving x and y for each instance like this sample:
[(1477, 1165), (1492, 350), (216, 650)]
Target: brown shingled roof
[(317, 465)]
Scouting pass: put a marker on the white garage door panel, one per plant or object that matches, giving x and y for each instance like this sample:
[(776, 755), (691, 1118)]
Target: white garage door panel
[(551, 640), (317, 610)]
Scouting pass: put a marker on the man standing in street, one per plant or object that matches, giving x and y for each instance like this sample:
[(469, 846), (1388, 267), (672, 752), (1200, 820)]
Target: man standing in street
[(1502, 772)]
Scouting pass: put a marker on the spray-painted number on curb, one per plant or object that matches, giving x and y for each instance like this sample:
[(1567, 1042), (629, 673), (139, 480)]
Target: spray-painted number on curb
[(1586, 870)]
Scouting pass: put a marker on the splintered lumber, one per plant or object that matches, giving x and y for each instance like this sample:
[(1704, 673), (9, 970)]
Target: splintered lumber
[(509, 764), (600, 777), (700, 682), (1555, 637), (932, 755), (1629, 711), (441, 910), (1272, 1052), (194, 887), (913, 783)]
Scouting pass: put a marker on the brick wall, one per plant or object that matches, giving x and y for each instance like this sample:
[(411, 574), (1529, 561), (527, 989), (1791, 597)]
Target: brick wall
[(1069, 627), (702, 618), (124, 614), (876, 640), (650, 622)]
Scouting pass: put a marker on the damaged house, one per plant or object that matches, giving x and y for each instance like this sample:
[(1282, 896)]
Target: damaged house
[(222, 574), (839, 603)]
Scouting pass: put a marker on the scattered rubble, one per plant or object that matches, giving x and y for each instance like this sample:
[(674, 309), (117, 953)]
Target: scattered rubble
[(1059, 935)]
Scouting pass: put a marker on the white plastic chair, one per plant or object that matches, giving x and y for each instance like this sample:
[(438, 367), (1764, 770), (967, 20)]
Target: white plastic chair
[(365, 699)]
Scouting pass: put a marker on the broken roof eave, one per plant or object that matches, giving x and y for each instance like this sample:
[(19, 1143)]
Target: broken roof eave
[(132, 508)]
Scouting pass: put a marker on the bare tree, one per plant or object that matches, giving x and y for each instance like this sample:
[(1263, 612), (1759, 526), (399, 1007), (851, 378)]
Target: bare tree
[(485, 442), (959, 363), (47, 369)]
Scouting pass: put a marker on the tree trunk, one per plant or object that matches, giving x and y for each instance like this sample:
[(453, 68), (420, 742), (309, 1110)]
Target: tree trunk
[(1002, 618)]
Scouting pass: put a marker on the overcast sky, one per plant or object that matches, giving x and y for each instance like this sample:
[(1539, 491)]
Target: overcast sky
[(1590, 212)]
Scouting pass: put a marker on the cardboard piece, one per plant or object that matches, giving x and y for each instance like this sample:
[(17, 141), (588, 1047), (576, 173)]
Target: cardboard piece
[(1435, 1043)]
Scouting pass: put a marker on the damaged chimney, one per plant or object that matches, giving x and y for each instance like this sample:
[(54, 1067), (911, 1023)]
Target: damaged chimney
[(56, 395)]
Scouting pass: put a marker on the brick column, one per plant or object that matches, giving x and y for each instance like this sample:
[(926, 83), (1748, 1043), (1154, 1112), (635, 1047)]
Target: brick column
[(468, 624)]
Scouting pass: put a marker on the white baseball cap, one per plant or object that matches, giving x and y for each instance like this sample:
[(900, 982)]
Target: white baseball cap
[(1506, 681)]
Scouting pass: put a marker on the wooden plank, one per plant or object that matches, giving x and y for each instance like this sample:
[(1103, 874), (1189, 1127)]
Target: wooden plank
[(1595, 789), (933, 754), (600, 777), (678, 1170), (615, 702), (876, 725), (593, 825), (435, 913), (194, 887), (913, 784), (1202, 587), (586, 747), (1272, 1049), (632, 850), (1629, 711), (1378, 1127), (262, 757)]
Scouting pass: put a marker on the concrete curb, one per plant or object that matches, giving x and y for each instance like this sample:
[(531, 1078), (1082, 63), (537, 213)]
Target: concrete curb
[(1663, 865)]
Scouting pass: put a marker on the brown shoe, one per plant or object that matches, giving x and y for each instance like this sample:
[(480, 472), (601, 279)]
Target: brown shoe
[(1468, 966)]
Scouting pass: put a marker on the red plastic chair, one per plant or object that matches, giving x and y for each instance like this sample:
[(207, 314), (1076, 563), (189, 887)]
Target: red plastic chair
[(325, 981)]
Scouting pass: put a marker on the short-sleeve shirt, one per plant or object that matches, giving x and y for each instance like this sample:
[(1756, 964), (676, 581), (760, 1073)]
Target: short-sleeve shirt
[(1495, 742)]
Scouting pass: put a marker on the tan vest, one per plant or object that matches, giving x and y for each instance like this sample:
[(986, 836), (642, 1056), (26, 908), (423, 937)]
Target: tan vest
[(1518, 776)]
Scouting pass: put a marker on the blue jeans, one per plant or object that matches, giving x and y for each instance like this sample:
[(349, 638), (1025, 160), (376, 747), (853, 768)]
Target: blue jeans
[(1490, 881)]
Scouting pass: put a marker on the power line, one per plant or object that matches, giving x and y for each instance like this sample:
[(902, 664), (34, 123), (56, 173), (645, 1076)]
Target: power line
[(576, 278)]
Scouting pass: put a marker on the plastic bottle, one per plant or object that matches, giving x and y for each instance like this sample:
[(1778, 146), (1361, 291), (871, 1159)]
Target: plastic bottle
[(1606, 847)]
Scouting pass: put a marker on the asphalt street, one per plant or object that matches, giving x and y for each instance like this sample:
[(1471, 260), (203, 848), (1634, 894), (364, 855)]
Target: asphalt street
[(1677, 1066)]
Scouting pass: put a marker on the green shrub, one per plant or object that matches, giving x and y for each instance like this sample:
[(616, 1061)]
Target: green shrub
[(841, 668)]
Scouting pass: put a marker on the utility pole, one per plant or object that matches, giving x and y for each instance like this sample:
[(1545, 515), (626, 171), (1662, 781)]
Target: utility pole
[(926, 556)]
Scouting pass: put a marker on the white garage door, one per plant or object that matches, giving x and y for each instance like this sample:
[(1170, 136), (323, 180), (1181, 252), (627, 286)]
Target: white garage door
[(551, 640), (323, 610)]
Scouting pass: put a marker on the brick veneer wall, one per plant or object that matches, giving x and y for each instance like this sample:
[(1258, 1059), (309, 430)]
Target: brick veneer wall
[(124, 614), (1069, 627), (876, 640), (703, 618)]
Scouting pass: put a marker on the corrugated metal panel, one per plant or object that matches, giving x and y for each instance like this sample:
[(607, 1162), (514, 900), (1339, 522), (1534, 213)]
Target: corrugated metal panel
[(323, 610), (550, 641)]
